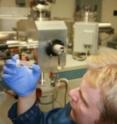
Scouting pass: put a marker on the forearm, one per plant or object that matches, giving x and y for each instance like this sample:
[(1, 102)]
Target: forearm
[(26, 102)]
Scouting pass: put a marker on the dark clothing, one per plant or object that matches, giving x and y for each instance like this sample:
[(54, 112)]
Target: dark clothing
[(35, 116)]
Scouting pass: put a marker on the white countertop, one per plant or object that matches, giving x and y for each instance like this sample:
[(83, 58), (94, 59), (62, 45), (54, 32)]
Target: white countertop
[(72, 64)]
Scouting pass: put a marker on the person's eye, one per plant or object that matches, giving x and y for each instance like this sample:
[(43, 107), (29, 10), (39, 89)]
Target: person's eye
[(83, 98)]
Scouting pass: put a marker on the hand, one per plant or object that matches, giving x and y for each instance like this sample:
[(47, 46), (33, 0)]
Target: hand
[(20, 78)]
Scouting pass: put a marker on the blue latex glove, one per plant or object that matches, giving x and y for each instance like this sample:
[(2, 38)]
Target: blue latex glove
[(20, 78)]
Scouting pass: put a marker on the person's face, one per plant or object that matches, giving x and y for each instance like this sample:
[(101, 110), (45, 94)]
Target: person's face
[(84, 101)]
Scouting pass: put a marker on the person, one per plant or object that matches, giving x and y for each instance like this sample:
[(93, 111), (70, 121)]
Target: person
[(93, 102)]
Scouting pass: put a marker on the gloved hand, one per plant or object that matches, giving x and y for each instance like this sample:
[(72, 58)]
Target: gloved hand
[(20, 78)]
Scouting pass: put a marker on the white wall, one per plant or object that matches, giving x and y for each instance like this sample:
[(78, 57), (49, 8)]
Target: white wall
[(10, 3), (63, 9), (107, 12), (7, 3)]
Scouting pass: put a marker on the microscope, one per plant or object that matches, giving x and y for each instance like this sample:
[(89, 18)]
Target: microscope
[(41, 41), (52, 37)]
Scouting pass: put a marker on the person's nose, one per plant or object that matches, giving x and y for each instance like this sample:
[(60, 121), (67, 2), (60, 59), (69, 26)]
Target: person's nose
[(74, 94)]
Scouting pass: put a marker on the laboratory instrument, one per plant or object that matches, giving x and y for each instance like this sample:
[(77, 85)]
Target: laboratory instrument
[(85, 40), (44, 43)]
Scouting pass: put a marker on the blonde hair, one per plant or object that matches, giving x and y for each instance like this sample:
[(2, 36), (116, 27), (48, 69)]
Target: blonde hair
[(105, 65), (105, 56)]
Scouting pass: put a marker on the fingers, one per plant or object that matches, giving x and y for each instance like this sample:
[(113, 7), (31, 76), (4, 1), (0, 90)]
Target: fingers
[(11, 63), (6, 77), (9, 71), (36, 70), (15, 57)]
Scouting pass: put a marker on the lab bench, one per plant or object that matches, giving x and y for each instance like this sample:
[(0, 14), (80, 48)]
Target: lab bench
[(73, 69)]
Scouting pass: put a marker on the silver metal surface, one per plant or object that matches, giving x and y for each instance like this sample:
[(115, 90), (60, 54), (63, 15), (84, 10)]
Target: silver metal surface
[(47, 32)]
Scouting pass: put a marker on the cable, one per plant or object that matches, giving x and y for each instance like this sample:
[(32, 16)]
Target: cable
[(65, 82)]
